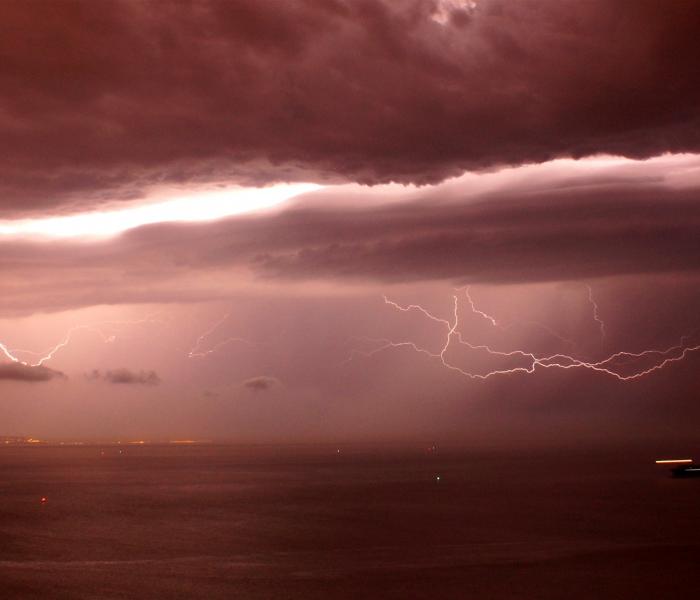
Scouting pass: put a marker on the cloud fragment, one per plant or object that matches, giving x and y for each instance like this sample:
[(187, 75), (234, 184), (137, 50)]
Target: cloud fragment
[(124, 376), (15, 371), (261, 383)]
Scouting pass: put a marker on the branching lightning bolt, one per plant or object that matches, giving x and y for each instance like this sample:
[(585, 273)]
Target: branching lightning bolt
[(532, 361), (476, 310), (47, 355), (503, 327), (596, 315), (197, 352)]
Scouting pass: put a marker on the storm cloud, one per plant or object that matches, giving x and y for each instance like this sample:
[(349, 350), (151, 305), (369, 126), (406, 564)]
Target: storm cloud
[(29, 374), (102, 101), (553, 222), (125, 377), (261, 383)]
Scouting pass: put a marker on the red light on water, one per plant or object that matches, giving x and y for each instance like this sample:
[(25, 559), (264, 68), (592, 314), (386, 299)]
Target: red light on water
[(44, 500)]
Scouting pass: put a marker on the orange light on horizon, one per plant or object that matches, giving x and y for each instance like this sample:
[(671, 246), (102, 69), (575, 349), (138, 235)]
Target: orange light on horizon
[(670, 461)]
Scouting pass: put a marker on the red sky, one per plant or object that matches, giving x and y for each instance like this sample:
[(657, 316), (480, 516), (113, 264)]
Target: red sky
[(239, 186)]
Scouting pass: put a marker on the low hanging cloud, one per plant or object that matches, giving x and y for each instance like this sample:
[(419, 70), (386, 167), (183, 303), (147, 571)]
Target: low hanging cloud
[(125, 377), (262, 383), (19, 372), (101, 101)]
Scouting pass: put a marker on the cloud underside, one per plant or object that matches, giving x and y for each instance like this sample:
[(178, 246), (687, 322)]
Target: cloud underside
[(553, 228), (100, 101), (125, 377), (262, 383), (28, 374)]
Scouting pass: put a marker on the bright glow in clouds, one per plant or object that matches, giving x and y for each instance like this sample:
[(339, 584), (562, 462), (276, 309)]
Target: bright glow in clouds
[(671, 170), (202, 206), (445, 7)]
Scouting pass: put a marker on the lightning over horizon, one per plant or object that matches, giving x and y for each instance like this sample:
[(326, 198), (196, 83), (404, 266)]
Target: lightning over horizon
[(47, 355), (427, 282), (609, 366), (196, 352)]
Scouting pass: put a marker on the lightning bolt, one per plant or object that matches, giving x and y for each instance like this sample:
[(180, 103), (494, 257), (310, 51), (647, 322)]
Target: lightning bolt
[(596, 316), (503, 327), (196, 350), (531, 361), (411, 307), (46, 355), (475, 310)]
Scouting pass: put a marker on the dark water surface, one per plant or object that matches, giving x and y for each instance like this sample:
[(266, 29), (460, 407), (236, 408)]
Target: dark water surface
[(282, 522)]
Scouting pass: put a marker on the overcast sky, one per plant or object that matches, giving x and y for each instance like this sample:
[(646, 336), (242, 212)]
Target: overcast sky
[(472, 221)]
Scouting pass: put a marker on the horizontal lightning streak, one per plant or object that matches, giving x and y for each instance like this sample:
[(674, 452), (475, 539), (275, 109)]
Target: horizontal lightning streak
[(45, 356), (197, 352), (665, 357)]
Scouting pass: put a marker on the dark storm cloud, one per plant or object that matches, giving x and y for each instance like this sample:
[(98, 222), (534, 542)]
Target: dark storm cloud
[(562, 228), (19, 372), (101, 100), (613, 232), (125, 377), (260, 384)]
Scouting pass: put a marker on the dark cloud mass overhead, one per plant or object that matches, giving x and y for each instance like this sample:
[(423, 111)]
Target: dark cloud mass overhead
[(101, 100)]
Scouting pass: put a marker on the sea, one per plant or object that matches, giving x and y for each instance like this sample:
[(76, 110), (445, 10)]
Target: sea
[(325, 522)]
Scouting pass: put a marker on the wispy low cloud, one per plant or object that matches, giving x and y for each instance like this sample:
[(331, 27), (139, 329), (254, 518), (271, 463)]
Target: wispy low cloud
[(19, 372), (262, 383), (125, 376)]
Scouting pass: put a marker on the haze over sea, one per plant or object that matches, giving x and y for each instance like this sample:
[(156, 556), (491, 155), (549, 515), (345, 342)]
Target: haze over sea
[(311, 522)]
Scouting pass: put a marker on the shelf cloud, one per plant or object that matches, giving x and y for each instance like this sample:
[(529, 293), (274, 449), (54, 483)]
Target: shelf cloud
[(102, 102)]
